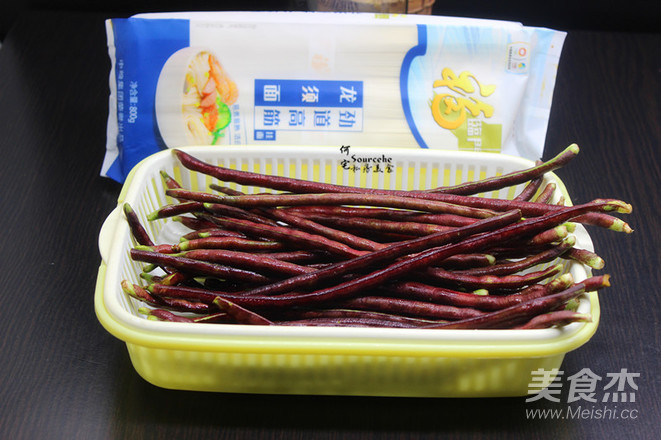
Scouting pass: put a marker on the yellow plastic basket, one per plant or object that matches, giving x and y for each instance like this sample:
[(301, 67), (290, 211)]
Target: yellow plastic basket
[(324, 360)]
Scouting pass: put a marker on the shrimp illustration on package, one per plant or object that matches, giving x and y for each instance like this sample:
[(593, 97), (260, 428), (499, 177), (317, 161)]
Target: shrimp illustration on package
[(312, 78)]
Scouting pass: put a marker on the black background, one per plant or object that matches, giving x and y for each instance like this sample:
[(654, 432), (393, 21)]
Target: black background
[(62, 376), (612, 15)]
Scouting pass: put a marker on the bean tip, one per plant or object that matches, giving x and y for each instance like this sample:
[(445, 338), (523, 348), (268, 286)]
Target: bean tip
[(622, 207), (127, 287), (621, 226), (571, 226), (583, 317), (598, 263), (223, 305), (148, 277), (141, 247)]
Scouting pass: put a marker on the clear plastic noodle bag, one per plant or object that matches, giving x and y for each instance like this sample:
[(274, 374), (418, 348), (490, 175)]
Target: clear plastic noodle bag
[(331, 79)]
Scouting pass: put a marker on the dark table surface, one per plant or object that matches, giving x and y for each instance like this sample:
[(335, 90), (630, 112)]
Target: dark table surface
[(63, 376)]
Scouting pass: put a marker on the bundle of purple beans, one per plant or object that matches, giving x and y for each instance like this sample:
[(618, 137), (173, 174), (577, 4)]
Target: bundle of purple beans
[(319, 254)]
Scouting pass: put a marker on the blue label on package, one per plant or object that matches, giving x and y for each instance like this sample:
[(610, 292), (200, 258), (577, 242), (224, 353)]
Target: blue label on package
[(307, 105), (142, 47), (308, 93)]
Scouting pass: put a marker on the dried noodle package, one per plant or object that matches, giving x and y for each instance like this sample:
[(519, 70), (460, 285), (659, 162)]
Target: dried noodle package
[(326, 79)]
